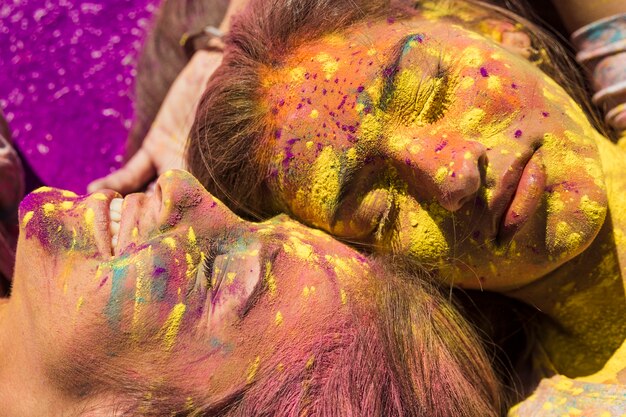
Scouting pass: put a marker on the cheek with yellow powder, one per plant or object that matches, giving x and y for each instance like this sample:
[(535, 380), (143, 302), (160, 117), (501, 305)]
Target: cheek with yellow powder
[(59, 220)]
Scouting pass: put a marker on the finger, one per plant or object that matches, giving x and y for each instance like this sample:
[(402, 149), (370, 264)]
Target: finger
[(130, 178)]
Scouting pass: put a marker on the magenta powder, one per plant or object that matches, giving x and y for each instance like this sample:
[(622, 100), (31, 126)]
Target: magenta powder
[(66, 83)]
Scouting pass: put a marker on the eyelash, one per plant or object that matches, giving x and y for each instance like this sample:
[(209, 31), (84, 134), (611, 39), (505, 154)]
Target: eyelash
[(208, 264)]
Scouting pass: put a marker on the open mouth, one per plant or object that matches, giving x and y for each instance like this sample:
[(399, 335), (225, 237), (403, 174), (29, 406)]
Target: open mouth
[(525, 199), (115, 217)]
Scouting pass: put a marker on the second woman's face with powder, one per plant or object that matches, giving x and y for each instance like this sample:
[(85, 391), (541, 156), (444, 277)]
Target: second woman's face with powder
[(427, 139)]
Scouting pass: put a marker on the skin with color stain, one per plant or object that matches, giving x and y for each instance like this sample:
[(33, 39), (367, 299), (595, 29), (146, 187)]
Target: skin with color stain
[(190, 285)]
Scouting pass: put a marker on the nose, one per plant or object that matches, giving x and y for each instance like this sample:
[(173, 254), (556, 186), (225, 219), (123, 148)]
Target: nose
[(181, 198), (446, 168)]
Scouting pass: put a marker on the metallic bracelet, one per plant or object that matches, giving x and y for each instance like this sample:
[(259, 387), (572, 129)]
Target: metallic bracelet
[(602, 51), (208, 38)]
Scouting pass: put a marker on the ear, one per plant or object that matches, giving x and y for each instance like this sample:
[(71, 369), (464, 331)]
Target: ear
[(510, 36)]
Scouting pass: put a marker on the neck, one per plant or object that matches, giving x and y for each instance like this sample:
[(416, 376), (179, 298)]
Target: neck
[(24, 388), (584, 299)]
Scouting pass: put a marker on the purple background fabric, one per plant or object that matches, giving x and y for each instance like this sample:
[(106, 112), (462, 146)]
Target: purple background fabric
[(66, 81)]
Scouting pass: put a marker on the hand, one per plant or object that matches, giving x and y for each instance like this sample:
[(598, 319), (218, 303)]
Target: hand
[(164, 145)]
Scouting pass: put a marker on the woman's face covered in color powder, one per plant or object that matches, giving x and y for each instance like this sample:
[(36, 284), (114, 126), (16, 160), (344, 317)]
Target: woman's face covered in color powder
[(424, 138), (195, 298)]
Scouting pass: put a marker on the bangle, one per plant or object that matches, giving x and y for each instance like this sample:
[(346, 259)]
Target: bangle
[(602, 51), (208, 38)]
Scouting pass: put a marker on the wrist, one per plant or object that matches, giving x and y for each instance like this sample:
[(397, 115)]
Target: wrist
[(601, 49)]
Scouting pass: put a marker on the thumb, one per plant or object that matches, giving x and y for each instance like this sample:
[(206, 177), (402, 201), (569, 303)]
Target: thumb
[(130, 178)]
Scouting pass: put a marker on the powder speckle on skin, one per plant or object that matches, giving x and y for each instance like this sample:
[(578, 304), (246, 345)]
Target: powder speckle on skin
[(99, 196), (66, 205), (314, 114), (79, 303), (48, 209), (593, 211), (89, 218), (169, 241), (270, 280), (170, 328), (278, 319), (253, 369), (310, 362), (325, 186), (68, 194), (191, 236), (297, 247), (565, 239), (425, 241), (26, 218), (472, 120), (441, 175), (344, 296)]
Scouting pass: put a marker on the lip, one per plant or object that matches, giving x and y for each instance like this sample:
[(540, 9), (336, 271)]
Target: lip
[(525, 199)]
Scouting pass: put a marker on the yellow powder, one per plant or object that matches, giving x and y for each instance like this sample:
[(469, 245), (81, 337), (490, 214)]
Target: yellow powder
[(594, 169), (270, 280), (340, 266), (79, 303), (100, 196), (135, 232), (441, 175), (318, 202), (230, 277), (344, 296), (472, 57), (26, 218), (253, 369), (169, 241), (472, 120), (309, 144), (314, 114), (399, 141), (329, 64), (566, 240), (360, 107), (425, 241), (89, 217), (593, 211), (48, 209), (374, 90), (297, 74), (278, 320), (169, 331), (555, 203), (191, 266), (298, 248), (494, 83), (310, 362), (142, 296), (191, 236), (466, 83), (42, 190), (371, 52), (66, 205)]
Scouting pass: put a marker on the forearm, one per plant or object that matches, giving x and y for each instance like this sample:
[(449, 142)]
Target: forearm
[(578, 13)]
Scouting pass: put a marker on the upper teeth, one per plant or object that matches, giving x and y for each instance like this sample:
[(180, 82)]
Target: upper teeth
[(115, 215)]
